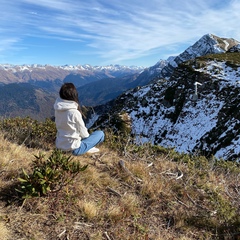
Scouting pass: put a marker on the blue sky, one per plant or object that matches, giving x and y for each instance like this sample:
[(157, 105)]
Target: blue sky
[(103, 32)]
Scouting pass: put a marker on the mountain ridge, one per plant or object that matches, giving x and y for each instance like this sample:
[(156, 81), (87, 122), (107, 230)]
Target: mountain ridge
[(207, 44), (164, 111)]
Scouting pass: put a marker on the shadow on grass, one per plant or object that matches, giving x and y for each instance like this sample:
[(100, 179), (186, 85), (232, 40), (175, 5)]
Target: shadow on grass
[(9, 194), (221, 230)]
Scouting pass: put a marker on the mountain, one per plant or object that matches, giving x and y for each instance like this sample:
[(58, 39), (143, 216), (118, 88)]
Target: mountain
[(194, 110), (40, 85), (98, 85), (207, 44)]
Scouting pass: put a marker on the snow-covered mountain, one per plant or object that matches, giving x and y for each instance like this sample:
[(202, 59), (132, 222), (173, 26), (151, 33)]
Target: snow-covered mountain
[(80, 73), (207, 44), (30, 67), (193, 110)]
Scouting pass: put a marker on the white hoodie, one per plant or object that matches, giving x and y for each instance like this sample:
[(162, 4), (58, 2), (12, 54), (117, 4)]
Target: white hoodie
[(70, 125)]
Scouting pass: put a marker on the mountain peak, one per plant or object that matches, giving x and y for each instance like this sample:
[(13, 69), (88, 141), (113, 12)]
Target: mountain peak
[(207, 44), (221, 43)]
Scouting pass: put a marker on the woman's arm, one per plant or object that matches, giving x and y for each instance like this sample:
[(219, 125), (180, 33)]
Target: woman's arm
[(83, 131)]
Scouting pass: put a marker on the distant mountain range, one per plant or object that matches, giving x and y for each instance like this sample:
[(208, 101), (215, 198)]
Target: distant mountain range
[(35, 72), (30, 90)]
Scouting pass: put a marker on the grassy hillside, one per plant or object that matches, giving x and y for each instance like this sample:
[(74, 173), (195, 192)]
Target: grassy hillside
[(127, 191), (23, 99), (231, 58)]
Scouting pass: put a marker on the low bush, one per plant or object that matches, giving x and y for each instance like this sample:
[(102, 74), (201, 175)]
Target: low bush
[(48, 175), (30, 132)]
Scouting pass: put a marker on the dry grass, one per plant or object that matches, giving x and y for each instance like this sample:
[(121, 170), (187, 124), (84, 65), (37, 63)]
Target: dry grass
[(151, 200), (4, 232)]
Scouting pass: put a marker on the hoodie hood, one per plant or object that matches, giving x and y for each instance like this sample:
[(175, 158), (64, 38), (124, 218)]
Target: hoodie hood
[(63, 105)]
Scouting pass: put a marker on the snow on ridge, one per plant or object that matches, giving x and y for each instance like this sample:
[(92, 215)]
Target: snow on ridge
[(144, 90), (226, 45), (234, 148), (221, 71), (152, 122), (193, 124)]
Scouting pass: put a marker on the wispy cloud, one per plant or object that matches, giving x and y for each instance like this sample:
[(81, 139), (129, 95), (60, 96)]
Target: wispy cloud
[(121, 30)]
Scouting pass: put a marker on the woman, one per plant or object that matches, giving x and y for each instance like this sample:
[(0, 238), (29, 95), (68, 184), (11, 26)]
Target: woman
[(72, 134)]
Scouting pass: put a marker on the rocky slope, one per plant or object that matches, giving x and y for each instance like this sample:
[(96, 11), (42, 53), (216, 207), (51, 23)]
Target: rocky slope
[(195, 110)]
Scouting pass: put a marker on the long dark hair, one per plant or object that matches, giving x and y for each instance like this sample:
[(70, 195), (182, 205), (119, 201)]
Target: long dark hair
[(69, 92)]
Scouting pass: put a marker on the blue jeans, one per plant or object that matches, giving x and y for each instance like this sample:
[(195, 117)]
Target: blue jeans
[(89, 142)]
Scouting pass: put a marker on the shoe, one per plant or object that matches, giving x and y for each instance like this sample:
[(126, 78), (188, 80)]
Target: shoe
[(93, 150)]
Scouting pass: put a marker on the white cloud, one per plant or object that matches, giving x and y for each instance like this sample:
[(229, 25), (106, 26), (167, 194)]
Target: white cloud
[(123, 29)]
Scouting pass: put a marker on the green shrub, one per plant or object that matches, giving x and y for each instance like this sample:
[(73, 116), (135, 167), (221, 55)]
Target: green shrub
[(31, 133), (48, 175), (116, 140)]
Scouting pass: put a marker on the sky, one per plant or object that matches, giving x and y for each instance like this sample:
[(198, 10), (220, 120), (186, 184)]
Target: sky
[(104, 32)]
